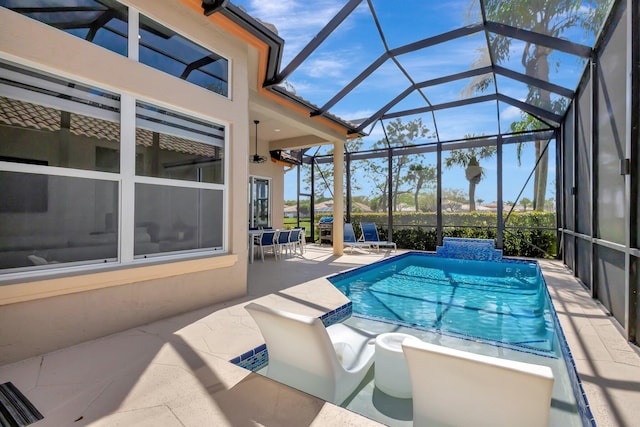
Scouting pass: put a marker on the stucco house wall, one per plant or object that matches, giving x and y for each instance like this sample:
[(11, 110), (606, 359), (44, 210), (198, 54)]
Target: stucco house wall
[(43, 314)]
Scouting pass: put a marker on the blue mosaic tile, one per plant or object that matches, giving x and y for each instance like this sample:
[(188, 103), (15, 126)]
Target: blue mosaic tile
[(469, 249)]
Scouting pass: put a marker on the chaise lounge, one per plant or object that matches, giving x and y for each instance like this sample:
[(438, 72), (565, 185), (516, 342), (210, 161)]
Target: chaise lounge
[(370, 235)]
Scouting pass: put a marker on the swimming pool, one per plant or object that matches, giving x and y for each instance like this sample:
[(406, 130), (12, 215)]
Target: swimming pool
[(501, 302), (496, 308)]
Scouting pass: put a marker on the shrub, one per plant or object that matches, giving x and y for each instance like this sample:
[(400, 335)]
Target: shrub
[(528, 234)]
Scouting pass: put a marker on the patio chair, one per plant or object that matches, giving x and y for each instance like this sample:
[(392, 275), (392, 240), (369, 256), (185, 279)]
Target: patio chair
[(295, 240), (268, 240), (456, 388), (328, 363), (350, 239), (282, 241), (303, 238), (370, 235)]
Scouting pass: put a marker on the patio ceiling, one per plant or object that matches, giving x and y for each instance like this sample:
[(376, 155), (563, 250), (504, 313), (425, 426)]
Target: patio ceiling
[(470, 67)]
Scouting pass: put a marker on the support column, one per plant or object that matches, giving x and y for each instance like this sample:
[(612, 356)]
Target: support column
[(499, 216), (338, 199)]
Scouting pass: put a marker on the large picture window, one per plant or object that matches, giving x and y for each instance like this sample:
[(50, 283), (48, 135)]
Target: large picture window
[(62, 177)]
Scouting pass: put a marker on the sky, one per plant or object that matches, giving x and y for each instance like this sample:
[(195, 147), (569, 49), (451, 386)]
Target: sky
[(356, 43)]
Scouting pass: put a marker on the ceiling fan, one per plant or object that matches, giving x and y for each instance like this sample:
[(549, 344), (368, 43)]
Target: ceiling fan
[(256, 158)]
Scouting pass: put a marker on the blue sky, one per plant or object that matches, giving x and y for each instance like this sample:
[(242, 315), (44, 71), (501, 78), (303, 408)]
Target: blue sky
[(356, 43)]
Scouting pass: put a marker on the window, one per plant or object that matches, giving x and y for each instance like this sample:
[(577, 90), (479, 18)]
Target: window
[(180, 203), (259, 202), (105, 23), (62, 177), (102, 22), (50, 132), (168, 51)]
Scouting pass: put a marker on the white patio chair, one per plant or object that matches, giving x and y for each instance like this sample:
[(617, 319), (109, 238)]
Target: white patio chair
[(328, 363), (457, 388)]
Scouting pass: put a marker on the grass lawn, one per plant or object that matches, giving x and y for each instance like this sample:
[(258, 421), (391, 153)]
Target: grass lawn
[(304, 222)]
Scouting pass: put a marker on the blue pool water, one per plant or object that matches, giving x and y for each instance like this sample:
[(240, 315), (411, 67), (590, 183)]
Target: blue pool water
[(504, 303)]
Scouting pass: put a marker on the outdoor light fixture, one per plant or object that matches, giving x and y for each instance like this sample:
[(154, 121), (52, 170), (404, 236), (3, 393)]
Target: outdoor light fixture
[(256, 158)]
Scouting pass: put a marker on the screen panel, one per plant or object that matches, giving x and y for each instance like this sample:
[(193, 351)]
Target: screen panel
[(612, 123), (609, 265), (583, 261), (583, 157)]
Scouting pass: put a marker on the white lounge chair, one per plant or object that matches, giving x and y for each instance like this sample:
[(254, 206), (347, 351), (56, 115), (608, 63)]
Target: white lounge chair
[(350, 240), (370, 235), (456, 388), (328, 363)]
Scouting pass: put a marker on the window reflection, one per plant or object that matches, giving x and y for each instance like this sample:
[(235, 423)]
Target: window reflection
[(102, 22), (170, 219), (44, 222), (170, 145), (168, 51), (105, 23), (71, 126)]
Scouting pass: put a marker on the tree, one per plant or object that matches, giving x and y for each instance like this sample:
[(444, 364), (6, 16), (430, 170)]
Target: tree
[(469, 158), (323, 172), (453, 198), (525, 202), (419, 175), (548, 17), (400, 134)]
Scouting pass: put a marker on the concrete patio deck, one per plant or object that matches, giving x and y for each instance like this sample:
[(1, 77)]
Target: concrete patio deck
[(175, 372)]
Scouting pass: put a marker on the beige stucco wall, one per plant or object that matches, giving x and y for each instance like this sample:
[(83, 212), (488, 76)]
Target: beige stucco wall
[(55, 313)]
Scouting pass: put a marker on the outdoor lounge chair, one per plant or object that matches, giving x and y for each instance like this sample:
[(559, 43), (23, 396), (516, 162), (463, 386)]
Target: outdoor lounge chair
[(350, 239), (328, 363), (370, 235), (456, 388)]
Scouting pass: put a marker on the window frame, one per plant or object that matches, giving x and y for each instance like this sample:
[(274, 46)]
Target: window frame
[(126, 179)]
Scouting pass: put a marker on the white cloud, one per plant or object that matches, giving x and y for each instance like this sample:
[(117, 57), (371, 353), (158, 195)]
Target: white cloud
[(297, 22), (325, 68), (511, 113)]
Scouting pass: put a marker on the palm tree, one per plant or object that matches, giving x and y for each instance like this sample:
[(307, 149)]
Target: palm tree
[(420, 175), (469, 158), (547, 17), (525, 201)]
